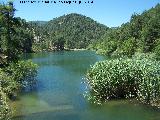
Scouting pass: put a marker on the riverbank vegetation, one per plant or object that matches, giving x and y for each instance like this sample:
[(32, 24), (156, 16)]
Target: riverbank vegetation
[(135, 73), (15, 75), (137, 77), (13, 79)]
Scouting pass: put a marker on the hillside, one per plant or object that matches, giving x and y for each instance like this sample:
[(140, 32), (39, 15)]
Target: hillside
[(69, 31), (140, 34)]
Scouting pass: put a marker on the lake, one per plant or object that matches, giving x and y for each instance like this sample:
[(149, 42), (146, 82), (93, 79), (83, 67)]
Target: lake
[(58, 94)]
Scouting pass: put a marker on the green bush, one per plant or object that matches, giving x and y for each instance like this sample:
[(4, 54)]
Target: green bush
[(107, 47), (17, 76), (23, 72), (125, 78), (5, 111), (8, 84), (12, 79), (125, 48), (157, 49), (141, 56)]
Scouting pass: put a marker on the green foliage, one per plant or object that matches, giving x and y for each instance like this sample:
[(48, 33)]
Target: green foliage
[(157, 49), (125, 78), (12, 79), (17, 76), (15, 36), (74, 30), (127, 48), (107, 44), (6, 87), (141, 56), (5, 111), (8, 84), (59, 43), (22, 72), (141, 34), (107, 47), (8, 23)]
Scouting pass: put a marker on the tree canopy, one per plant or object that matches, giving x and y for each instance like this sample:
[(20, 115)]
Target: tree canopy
[(141, 34), (75, 30), (15, 37)]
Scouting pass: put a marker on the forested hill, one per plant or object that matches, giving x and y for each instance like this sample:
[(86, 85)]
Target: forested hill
[(69, 31), (140, 34)]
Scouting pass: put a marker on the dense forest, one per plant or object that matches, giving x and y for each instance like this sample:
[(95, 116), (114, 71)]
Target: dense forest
[(67, 32), (137, 73), (141, 34)]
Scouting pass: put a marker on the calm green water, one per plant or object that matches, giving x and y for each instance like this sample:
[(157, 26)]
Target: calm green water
[(59, 92)]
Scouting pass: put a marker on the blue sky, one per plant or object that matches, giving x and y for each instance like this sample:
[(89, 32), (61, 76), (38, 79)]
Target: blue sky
[(109, 12)]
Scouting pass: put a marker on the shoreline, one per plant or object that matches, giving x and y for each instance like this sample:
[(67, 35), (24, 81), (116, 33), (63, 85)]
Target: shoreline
[(75, 49)]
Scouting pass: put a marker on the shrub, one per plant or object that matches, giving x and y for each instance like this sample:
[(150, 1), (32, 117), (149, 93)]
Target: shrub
[(23, 72), (17, 76), (5, 111), (157, 49), (12, 79), (8, 84), (125, 78), (140, 56)]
